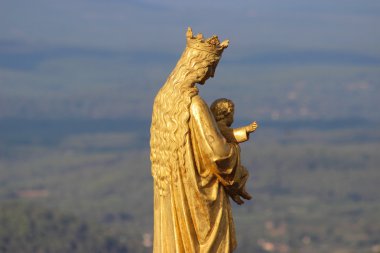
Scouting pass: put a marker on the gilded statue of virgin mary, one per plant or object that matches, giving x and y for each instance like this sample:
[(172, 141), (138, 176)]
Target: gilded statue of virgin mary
[(192, 163)]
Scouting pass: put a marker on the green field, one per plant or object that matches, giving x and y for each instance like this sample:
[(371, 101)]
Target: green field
[(314, 190)]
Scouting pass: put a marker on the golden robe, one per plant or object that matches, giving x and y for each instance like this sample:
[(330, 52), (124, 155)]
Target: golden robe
[(195, 214)]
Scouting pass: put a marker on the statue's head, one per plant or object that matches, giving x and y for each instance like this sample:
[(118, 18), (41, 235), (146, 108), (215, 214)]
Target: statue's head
[(223, 110), (208, 52)]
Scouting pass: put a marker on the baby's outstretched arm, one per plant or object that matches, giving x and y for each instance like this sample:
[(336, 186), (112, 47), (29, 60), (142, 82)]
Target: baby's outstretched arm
[(251, 127)]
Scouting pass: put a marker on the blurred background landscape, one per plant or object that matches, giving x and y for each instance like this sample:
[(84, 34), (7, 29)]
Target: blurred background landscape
[(77, 83)]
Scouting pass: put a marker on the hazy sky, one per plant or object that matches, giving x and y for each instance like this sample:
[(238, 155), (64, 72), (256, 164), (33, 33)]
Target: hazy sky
[(160, 25), (99, 49)]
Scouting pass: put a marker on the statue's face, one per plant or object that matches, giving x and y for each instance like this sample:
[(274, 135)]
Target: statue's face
[(230, 119), (207, 72)]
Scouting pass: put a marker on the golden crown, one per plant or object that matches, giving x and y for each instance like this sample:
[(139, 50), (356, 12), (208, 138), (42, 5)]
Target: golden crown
[(211, 45)]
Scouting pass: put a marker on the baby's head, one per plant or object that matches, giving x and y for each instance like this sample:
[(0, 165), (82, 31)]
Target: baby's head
[(223, 109)]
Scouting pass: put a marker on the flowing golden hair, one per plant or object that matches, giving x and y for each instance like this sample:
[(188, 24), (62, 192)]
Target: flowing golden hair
[(171, 115)]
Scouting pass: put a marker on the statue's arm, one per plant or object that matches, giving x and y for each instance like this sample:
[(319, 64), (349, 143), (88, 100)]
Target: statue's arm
[(241, 134), (214, 143), (217, 155)]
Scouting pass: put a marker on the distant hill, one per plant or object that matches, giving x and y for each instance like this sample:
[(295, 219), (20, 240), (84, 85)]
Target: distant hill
[(30, 228)]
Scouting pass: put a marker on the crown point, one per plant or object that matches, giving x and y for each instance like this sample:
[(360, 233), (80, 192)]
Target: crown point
[(225, 44), (189, 33)]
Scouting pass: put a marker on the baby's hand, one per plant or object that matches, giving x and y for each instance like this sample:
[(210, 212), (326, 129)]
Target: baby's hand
[(252, 127)]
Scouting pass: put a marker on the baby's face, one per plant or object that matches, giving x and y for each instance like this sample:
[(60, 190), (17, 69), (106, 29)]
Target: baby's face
[(230, 118)]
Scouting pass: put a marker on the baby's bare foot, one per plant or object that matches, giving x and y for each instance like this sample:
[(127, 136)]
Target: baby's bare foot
[(237, 199), (245, 195)]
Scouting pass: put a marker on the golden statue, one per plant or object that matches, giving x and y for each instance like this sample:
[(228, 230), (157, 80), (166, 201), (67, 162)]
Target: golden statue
[(194, 167)]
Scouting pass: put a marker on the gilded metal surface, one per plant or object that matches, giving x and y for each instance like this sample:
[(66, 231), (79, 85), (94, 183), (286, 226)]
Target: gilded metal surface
[(193, 164)]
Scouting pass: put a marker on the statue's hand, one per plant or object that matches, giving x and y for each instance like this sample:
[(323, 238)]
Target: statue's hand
[(252, 127)]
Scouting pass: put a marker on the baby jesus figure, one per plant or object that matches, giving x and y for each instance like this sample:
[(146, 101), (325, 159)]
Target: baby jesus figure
[(223, 110)]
